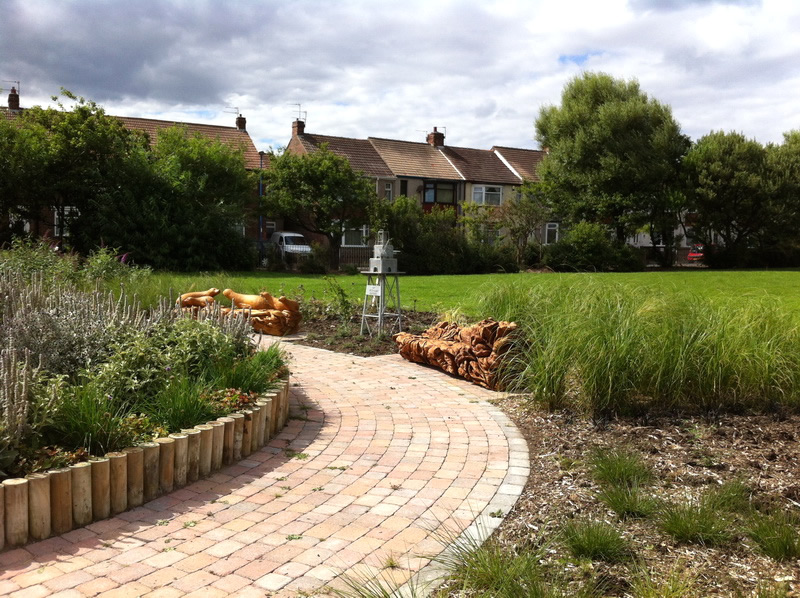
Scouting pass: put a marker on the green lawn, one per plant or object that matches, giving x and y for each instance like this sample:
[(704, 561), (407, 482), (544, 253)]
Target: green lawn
[(437, 293)]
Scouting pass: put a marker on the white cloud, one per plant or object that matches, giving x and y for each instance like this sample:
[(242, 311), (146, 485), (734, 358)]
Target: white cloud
[(360, 68)]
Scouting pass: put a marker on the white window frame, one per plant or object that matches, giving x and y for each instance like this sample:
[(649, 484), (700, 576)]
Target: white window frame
[(551, 226), (480, 194), (59, 225), (364, 230), (388, 191)]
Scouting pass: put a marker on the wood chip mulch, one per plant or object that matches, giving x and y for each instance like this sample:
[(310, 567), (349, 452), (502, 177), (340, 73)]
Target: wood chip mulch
[(688, 456)]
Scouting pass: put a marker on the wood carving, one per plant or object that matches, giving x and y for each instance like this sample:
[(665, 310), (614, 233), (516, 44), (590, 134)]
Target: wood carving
[(473, 353), (267, 314), (198, 298)]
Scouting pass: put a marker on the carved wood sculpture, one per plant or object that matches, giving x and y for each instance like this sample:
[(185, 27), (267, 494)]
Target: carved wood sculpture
[(269, 315), (198, 298), (473, 353)]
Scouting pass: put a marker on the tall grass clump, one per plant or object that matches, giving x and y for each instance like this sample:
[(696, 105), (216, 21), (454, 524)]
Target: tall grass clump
[(777, 535), (610, 350)]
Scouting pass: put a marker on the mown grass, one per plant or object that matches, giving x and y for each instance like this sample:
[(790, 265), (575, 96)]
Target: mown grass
[(439, 293)]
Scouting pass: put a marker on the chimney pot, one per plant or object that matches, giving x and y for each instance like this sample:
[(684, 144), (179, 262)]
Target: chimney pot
[(13, 99), (298, 127), (436, 139), (241, 123)]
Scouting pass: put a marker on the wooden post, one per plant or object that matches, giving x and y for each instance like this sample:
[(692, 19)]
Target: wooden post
[(60, 500), (181, 458), (166, 464), (81, 494), (38, 506), (286, 388), (150, 476), (135, 476), (227, 442), (2, 518), (238, 431), (217, 440), (258, 421), (119, 481), (16, 505), (273, 428), (193, 454), (206, 443), (263, 421), (101, 488), (247, 434), (267, 417)]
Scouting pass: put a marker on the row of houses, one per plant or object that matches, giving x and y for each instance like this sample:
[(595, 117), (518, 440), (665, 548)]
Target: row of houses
[(431, 171)]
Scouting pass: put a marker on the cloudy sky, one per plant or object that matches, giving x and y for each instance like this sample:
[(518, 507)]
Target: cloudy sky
[(479, 69)]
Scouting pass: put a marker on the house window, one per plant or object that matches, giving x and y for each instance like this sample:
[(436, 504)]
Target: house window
[(388, 190), (269, 227), (485, 195), (404, 188), (355, 236), (63, 219), (551, 233), (439, 193)]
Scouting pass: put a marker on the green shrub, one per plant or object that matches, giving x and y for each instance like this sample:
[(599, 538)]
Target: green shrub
[(776, 535), (182, 403), (587, 247), (620, 468), (316, 262), (254, 374), (695, 523), (596, 540), (86, 416), (628, 501), (27, 258)]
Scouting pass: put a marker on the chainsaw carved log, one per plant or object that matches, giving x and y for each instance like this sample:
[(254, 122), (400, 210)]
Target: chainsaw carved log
[(267, 314), (473, 353)]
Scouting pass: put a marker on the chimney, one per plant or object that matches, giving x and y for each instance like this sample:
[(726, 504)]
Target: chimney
[(13, 99), (298, 127), (436, 139), (241, 123)]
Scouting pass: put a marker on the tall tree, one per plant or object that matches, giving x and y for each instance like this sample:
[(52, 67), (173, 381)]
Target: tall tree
[(614, 155), (522, 216), (729, 192), (180, 206), (320, 192)]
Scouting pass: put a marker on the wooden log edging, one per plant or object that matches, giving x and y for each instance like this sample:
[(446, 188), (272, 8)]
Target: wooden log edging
[(40, 505)]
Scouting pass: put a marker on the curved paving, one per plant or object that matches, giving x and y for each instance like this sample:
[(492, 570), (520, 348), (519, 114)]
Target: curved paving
[(379, 458)]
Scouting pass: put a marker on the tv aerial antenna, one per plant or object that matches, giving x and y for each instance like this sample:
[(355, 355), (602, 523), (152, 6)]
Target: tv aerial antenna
[(232, 110), (12, 81), (301, 114)]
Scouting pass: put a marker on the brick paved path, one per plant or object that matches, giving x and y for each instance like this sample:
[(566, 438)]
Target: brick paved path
[(379, 453)]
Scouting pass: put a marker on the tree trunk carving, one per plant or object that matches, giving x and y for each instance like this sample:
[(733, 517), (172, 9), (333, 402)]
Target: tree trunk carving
[(473, 353)]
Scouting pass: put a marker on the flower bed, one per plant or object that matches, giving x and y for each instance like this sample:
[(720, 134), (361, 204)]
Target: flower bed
[(54, 502)]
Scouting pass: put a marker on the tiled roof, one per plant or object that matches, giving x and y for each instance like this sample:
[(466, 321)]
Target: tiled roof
[(359, 152), (411, 159), (230, 136), (480, 166), (524, 161)]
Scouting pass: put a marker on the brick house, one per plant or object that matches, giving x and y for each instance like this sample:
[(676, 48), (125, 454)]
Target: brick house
[(435, 173)]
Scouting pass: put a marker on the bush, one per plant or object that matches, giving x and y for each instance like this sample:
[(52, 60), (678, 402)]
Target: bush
[(316, 262), (695, 523), (621, 468), (596, 541), (777, 536), (587, 247)]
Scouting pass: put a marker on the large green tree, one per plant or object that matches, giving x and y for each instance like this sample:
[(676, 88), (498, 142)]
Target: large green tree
[(320, 192), (614, 156), (180, 206), (729, 192)]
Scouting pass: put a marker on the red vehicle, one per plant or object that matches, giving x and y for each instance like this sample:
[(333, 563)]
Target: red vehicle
[(696, 253)]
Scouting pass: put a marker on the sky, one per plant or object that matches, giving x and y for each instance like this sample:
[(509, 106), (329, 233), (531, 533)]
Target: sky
[(479, 70)]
